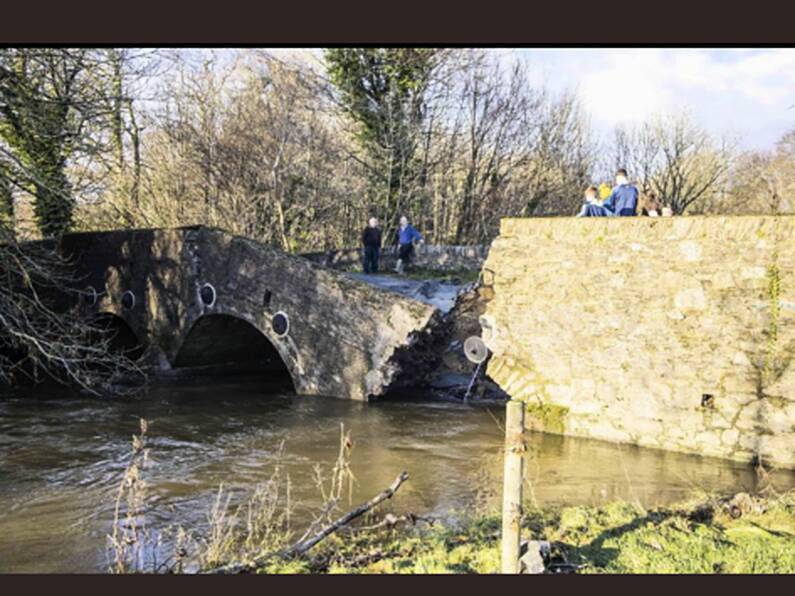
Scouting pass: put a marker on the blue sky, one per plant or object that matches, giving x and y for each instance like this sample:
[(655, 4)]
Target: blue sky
[(747, 94)]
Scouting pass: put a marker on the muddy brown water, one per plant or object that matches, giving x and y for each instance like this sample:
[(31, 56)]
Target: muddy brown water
[(62, 456)]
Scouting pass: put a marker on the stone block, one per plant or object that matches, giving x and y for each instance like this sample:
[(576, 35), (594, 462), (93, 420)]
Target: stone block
[(692, 298)]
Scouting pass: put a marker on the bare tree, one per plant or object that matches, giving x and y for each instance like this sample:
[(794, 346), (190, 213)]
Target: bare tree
[(496, 147), (523, 151), (638, 151), (762, 182), (693, 165), (251, 148), (675, 158), (64, 117), (41, 337), (264, 147), (55, 106)]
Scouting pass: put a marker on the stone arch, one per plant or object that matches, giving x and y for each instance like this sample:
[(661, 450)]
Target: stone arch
[(123, 338), (226, 343)]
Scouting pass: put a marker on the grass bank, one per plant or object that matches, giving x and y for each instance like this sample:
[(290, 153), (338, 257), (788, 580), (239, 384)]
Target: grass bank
[(708, 534)]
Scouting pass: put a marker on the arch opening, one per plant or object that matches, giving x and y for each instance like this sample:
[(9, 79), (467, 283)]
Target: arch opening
[(122, 338), (220, 344)]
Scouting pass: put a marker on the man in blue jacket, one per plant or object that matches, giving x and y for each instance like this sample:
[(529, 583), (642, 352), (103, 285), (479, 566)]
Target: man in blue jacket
[(407, 235), (623, 201)]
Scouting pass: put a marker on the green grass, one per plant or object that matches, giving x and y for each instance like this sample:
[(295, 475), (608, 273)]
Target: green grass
[(698, 536), (472, 548), (621, 539)]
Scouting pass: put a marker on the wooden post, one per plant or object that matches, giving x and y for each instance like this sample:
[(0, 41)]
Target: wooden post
[(512, 487)]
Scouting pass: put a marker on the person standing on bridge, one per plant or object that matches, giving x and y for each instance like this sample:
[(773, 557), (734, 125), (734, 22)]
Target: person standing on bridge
[(407, 236), (371, 241)]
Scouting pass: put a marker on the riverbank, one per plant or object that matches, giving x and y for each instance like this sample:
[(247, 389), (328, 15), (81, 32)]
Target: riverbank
[(62, 458), (706, 534)]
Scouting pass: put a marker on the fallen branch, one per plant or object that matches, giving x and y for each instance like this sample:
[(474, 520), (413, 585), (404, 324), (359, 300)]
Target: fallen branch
[(390, 521), (302, 546)]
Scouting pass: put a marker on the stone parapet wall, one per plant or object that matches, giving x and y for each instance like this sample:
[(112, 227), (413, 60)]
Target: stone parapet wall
[(676, 333), (427, 256)]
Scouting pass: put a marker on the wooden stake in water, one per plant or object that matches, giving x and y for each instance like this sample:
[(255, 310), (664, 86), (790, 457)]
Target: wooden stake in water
[(512, 487)]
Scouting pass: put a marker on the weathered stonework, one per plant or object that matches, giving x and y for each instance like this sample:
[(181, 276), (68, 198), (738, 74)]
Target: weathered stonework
[(346, 338), (677, 333)]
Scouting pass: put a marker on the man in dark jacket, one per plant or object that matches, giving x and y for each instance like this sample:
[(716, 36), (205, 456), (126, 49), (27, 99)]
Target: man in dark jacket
[(371, 240), (623, 201)]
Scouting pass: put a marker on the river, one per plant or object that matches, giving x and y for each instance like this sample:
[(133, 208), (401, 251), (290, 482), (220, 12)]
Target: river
[(62, 455)]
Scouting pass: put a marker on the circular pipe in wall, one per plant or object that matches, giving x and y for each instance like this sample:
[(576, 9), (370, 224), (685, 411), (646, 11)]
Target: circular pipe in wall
[(475, 349), (280, 323), (90, 295), (207, 295), (128, 300)]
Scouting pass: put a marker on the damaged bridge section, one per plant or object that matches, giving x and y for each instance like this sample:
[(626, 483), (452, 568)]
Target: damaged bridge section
[(202, 297)]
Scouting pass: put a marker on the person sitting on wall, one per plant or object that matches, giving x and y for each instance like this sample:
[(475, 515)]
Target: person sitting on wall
[(591, 198), (649, 204), (371, 241), (623, 200), (407, 236)]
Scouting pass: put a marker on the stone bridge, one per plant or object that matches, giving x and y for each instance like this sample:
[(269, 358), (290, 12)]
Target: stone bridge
[(198, 297)]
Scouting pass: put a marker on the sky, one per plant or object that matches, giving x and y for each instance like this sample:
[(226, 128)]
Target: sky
[(745, 94)]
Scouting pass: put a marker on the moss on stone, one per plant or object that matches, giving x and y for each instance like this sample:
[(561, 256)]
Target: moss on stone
[(774, 294), (546, 417)]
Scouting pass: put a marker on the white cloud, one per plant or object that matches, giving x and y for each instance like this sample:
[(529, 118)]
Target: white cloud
[(627, 89), (743, 93), (729, 91)]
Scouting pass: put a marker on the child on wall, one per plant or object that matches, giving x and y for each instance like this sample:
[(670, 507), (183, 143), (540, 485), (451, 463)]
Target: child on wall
[(591, 196), (622, 202)]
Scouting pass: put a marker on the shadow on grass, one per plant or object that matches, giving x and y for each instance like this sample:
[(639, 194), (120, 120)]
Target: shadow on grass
[(595, 552)]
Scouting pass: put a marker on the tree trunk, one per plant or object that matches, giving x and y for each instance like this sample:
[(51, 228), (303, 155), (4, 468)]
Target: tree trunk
[(53, 203), (6, 203)]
